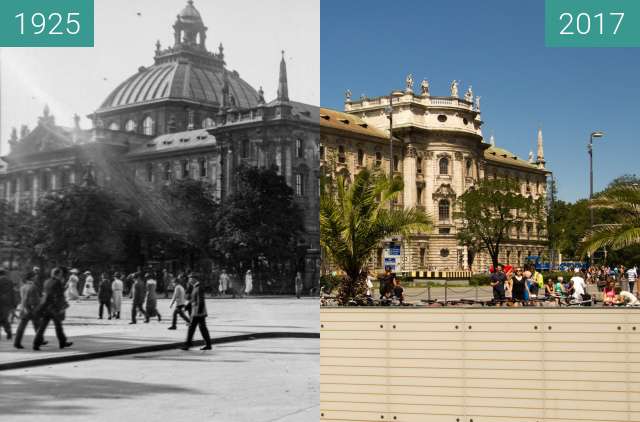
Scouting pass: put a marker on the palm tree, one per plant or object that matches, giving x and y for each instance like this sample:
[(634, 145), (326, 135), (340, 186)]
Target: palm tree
[(355, 218), (624, 199)]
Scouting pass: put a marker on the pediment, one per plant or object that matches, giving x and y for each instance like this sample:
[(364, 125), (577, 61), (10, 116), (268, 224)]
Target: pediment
[(444, 191)]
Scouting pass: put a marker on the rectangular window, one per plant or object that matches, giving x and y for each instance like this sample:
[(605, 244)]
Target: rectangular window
[(185, 169), (423, 252), (299, 185), (167, 171), (203, 167), (299, 150)]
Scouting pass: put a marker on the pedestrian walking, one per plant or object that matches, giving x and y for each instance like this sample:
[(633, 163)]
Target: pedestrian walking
[(198, 314), (89, 288), (298, 284), (632, 275), (52, 308), (7, 302), (29, 301), (152, 299), (248, 283), (138, 296), (117, 287), (71, 291), (104, 295), (179, 300), (167, 282), (224, 282)]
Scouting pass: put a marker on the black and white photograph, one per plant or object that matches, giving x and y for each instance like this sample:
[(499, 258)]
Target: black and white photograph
[(159, 216)]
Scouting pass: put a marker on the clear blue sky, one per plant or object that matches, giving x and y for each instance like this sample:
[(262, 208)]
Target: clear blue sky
[(369, 46)]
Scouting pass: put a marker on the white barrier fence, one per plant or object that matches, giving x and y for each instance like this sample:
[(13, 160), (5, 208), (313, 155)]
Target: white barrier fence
[(480, 365)]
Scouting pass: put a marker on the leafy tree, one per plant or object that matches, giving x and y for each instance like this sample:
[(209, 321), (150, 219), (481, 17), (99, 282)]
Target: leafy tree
[(80, 226), (624, 229), (355, 218), (259, 227), (491, 209)]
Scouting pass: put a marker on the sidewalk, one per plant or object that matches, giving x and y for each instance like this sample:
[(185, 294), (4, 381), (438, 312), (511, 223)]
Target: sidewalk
[(229, 320)]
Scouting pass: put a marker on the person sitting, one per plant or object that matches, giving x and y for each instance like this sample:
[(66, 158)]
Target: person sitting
[(625, 298), (609, 294), (398, 291)]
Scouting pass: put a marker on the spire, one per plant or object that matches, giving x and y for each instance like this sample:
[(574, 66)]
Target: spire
[(283, 88), (540, 160)]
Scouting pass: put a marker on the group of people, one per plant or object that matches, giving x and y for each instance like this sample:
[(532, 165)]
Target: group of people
[(43, 302), (527, 286)]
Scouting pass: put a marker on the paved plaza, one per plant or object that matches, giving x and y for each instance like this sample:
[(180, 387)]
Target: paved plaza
[(265, 380)]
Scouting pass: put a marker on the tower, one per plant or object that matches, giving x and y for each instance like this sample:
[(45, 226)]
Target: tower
[(283, 87), (189, 29), (540, 159)]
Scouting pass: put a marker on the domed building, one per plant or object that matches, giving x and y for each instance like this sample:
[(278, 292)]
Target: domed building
[(439, 151), (185, 116)]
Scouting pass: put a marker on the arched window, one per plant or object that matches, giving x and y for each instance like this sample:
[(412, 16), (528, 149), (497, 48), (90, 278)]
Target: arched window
[(469, 169), (444, 166), (147, 126), (443, 210), (130, 126), (114, 126), (207, 123), (360, 157), (342, 158), (299, 149), (378, 159)]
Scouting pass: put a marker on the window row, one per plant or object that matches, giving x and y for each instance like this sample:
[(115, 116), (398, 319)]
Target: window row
[(149, 125)]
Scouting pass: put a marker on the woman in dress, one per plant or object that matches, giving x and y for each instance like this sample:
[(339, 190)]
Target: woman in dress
[(519, 287), (89, 289), (71, 293), (117, 287), (151, 305)]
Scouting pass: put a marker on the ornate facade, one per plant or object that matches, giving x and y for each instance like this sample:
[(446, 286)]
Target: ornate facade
[(185, 116), (439, 150)]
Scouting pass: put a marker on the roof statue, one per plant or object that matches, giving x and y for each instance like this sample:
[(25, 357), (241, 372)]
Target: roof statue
[(530, 156), (409, 82), (478, 103), (261, 96), (492, 140), (454, 88), (347, 95), (424, 87), (468, 96)]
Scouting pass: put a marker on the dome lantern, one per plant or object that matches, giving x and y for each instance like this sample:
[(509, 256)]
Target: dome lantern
[(189, 29)]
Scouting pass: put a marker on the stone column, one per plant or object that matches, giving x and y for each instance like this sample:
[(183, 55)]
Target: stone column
[(279, 158), (409, 169), (287, 164), (35, 190), (16, 205), (54, 181)]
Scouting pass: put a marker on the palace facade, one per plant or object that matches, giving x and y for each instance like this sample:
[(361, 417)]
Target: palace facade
[(439, 151), (185, 116)]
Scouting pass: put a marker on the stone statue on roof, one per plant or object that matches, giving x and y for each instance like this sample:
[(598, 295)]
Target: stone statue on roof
[(468, 96), (347, 95), (261, 96), (478, 103), (409, 82), (424, 87), (454, 88)]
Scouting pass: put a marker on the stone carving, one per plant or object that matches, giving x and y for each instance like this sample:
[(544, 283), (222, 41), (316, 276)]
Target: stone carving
[(429, 155), (458, 156), (444, 191), (347, 95), (409, 82), (424, 87), (478, 103), (468, 96), (454, 88), (412, 152)]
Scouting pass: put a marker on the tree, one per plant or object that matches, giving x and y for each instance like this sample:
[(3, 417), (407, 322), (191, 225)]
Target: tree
[(491, 209), (624, 230), (355, 218), (80, 226), (260, 227)]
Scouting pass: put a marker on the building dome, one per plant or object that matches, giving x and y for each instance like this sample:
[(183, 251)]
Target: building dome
[(190, 13), (182, 80)]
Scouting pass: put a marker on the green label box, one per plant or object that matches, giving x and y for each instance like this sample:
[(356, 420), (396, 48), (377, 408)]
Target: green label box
[(46, 23), (592, 23)]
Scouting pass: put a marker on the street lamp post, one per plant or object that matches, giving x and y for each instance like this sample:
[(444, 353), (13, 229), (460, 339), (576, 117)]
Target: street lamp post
[(389, 111), (596, 134)]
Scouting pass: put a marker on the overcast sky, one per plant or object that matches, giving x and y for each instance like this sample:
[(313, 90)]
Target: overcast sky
[(77, 80)]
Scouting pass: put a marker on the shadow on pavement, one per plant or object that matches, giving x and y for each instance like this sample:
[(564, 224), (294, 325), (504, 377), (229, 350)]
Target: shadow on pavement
[(50, 395)]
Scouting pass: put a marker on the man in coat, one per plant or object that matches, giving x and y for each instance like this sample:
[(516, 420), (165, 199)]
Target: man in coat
[(7, 301), (29, 301), (52, 307), (104, 295), (138, 294), (198, 314)]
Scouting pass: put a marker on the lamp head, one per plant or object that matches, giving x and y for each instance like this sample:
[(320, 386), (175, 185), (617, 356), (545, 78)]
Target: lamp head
[(597, 134)]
